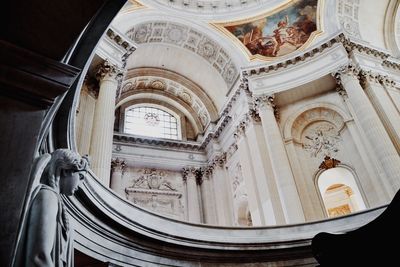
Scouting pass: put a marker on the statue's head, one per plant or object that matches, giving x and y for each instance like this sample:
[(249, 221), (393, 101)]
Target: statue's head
[(65, 171)]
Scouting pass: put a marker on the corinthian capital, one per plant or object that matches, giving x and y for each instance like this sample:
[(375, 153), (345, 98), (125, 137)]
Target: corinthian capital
[(106, 69), (118, 164), (349, 69), (266, 102)]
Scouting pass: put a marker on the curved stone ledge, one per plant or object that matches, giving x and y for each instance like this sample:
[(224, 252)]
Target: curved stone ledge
[(111, 229)]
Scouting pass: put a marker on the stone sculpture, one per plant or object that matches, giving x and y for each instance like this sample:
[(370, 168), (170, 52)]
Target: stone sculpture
[(45, 238)]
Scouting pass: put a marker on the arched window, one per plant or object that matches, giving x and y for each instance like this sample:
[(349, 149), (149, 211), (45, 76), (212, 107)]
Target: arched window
[(151, 121), (339, 192)]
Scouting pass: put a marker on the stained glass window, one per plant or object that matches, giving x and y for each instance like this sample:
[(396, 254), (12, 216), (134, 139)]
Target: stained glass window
[(151, 121)]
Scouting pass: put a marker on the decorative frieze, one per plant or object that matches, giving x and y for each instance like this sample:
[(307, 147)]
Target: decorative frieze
[(120, 40)]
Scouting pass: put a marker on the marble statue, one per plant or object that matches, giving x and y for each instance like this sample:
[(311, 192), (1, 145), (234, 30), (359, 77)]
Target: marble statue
[(45, 239)]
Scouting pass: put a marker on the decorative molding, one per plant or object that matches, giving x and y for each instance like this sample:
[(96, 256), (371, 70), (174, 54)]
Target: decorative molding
[(188, 38), (341, 38), (351, 46), (122, 42), (131, 139), (292, 61), (328, 163)]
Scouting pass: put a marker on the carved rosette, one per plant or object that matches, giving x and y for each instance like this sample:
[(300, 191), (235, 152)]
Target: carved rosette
[(108, 70), (118, 165)]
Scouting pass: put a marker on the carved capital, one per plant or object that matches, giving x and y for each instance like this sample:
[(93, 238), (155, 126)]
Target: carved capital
[(106, 69), (349, 69), (266, 102), (118, 165), (254, 115), (241, 128), (192, 173), (370, 77)]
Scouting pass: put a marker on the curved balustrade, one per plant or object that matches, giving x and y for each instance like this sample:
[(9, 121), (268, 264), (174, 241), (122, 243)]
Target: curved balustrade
[(111, 229)]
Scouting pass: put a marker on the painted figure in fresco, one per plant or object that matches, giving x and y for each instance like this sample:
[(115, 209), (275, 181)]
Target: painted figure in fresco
[(280, 33), (45, 239)]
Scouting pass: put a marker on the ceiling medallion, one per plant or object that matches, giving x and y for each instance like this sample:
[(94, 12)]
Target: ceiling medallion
[(279, 32)]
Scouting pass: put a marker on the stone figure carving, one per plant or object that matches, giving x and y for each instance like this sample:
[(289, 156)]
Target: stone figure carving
[(45, 238), (321, 138)]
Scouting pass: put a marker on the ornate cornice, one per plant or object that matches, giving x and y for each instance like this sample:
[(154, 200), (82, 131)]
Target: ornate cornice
[(351, 46), (292, 61), (217, 132), (106, 69), (157, 142), (119, 40), (391, 64), (341, 38)]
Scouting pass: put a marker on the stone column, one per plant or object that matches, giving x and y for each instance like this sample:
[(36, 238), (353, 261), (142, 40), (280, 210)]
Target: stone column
[(264, 177), (103, 123), (255, 205), (223, 201), (117, 171), (207, 190), (193, 206), (281, 168), (384, 106), (368, 120)]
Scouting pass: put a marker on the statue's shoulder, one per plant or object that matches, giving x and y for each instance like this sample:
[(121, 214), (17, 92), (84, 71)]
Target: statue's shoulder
[(45, 192)]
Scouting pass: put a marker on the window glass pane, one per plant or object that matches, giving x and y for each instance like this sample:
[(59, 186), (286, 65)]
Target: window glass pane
[(149, 121)]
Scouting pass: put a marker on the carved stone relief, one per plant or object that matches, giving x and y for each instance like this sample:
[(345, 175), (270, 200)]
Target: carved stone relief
[(157, 190), (190, 39), (321, 138), (240, 197)]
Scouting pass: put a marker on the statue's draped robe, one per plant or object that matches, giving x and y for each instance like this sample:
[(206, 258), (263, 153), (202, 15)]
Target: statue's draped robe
[(61, 253)]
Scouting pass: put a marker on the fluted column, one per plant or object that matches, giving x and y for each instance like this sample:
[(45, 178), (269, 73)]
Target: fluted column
[(193, 206), (221, 187), (287, 189), (374, 85), (117, 171), (103, 123), (207, 190), (369, 122), (255, 205), (264, 177)]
